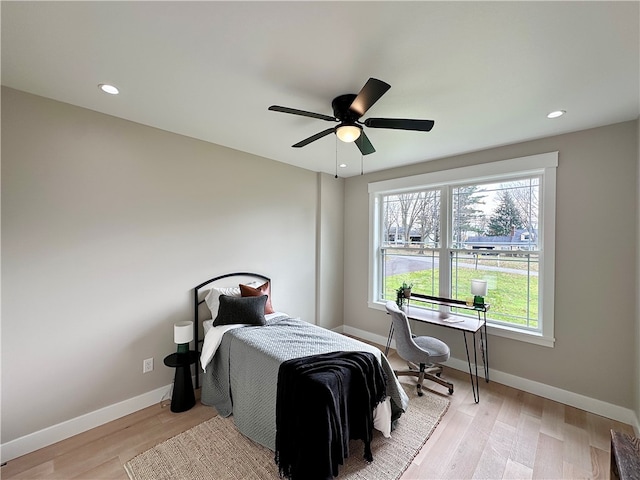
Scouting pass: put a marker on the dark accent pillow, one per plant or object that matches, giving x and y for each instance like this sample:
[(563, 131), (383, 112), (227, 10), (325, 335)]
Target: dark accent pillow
[(264, 289), (248, 310)]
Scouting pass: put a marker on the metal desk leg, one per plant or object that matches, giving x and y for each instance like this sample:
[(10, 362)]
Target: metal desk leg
[(474, 379), (386, 350), (484, 345)]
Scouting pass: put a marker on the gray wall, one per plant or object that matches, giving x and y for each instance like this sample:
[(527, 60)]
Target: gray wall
[(637, 377), (107, 225), (596, 245), (330, 252)]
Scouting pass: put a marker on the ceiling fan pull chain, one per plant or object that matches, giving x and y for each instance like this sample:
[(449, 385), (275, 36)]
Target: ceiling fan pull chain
[(361, 164), (336, 157)]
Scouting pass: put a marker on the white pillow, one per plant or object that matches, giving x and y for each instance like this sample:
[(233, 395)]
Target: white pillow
[(213, 297), (207, 325)]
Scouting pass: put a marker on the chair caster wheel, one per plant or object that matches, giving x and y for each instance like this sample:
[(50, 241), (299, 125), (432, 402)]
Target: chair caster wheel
[(438, 374), (420, 394), (451, 391)]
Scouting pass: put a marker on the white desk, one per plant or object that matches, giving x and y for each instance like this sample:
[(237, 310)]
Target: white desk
[(468, 325)]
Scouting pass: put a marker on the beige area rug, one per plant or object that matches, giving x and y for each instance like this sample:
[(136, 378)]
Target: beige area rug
[(216, 450)]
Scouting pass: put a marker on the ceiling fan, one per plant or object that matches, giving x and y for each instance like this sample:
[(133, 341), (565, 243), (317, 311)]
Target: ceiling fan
[(348, 108)]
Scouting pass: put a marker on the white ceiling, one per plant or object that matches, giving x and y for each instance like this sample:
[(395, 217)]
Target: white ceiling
[(486, 72)]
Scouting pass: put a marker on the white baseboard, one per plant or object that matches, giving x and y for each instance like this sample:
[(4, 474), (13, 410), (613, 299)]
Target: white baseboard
[(55, 433), (577, 400), (50, 435)]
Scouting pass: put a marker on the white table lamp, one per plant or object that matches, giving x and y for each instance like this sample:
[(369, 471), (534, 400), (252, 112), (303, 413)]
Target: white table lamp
[(183, 335), (479, 291)]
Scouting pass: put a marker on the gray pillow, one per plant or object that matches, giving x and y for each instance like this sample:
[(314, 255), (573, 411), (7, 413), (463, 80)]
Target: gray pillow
[(248, 310)]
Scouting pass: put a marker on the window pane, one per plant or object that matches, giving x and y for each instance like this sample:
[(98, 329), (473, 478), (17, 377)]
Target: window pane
[(411, 219), (419, 267), (411, 232), (512, 278), (494, 224), (501, 216)]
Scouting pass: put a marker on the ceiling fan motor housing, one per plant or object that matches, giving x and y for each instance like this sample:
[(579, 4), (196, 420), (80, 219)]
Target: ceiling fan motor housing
[(341, 109)]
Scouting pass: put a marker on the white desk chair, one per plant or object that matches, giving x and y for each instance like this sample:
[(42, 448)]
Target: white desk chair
[(422, 354)]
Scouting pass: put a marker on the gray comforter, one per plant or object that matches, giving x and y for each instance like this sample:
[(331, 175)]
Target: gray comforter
[(242, 378)]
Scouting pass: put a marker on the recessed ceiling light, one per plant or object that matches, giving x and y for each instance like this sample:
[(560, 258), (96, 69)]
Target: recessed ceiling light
[(556, 114), (343, 165), (105, 87)]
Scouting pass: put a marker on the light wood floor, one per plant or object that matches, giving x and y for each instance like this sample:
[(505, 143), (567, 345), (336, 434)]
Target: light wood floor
[(510, 434)]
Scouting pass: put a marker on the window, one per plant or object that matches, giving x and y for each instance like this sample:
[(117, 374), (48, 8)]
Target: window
[(494, 222)]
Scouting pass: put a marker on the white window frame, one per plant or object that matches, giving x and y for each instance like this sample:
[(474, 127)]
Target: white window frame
[(544, 164)]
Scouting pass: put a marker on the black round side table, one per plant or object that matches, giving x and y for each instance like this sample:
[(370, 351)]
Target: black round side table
[(183, 397)]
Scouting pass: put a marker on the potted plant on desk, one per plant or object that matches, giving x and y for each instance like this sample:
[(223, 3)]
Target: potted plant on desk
[(403, 292)]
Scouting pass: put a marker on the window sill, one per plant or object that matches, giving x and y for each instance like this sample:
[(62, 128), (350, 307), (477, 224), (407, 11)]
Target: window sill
[(514, 334), (499, 331)]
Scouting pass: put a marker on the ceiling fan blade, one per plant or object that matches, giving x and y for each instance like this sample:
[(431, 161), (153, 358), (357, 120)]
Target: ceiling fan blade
[(400, 124), (370, 94), (313, 138), (364, 144), (303, 113)]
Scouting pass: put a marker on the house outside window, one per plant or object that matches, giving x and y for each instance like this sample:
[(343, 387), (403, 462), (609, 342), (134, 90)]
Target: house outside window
[(494, 222)]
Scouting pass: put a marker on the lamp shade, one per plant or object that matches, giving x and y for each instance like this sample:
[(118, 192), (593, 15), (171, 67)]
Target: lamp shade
[(479, 288), (183, 332), (348, 133)]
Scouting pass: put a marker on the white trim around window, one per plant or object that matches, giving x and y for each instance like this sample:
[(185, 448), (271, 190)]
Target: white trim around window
[(544, 164)]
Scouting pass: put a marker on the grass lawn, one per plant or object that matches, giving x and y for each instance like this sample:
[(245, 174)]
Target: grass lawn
[(507, 291)]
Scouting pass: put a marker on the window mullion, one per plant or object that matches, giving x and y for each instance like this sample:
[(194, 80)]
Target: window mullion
[(444, 250)]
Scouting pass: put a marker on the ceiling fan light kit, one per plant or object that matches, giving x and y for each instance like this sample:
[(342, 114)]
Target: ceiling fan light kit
[(348, 133), (347, 110)]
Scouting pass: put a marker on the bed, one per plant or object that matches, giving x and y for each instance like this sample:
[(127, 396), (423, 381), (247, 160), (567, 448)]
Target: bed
[(239, 375)]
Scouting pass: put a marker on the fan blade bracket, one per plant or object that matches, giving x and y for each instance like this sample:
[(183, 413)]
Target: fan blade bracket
[(302, 113), (400, 124)]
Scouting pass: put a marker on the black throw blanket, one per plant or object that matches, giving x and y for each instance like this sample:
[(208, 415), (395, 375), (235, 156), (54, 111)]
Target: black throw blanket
[(323, 401)]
